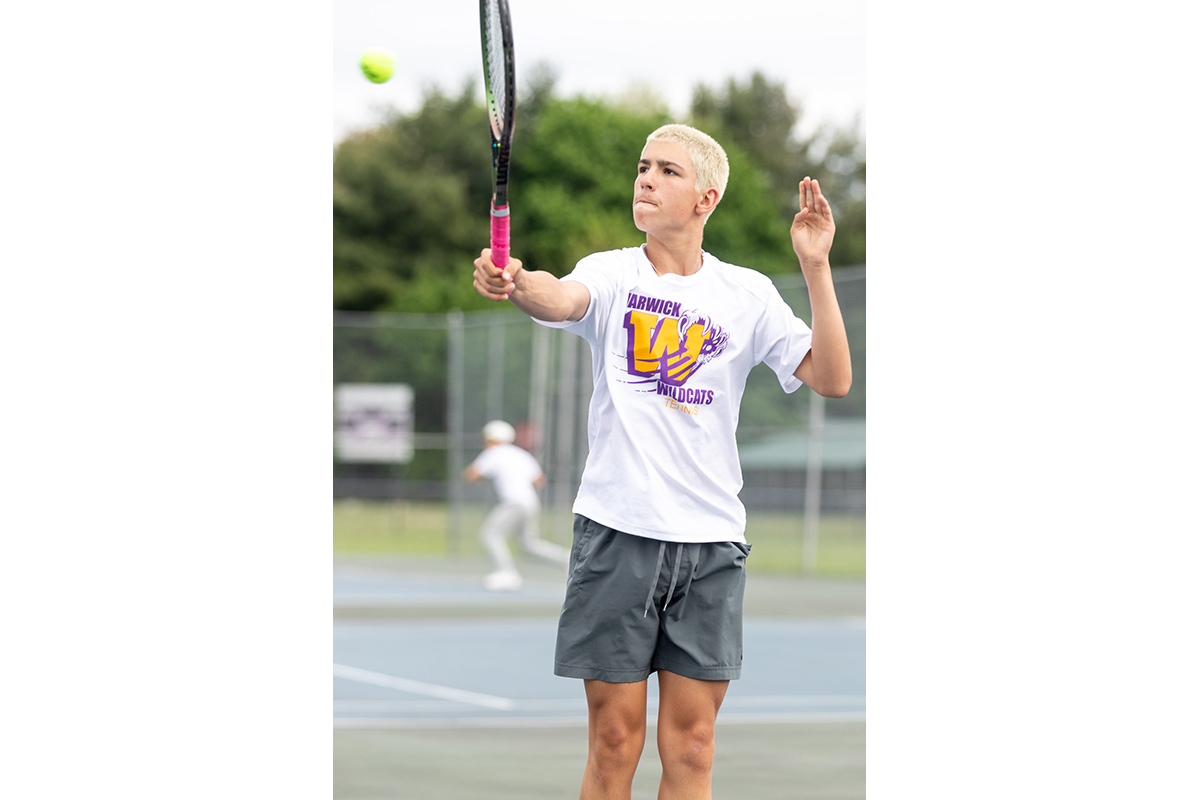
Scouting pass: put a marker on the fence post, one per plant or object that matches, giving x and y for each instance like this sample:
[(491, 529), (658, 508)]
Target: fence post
[(455, 379), (495, 390), (539, 367), (564, 436), (583, 394), (812, 482)]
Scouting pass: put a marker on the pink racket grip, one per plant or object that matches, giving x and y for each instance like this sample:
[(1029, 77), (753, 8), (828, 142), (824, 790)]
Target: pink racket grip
[(500, 236)]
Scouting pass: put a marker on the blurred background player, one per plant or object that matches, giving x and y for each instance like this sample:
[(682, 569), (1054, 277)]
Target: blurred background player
[(516, 476)]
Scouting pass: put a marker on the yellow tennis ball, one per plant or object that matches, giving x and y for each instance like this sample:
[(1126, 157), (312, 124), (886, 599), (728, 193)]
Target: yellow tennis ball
[(377, 64)]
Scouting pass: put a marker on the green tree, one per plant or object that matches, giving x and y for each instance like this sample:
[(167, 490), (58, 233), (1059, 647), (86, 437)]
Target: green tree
[(576, 171), (573, 182), (761, 120), (410, 197), (410, 205)]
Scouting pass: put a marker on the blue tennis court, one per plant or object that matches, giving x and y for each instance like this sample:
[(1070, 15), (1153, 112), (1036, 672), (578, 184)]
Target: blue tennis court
[(462, 670)]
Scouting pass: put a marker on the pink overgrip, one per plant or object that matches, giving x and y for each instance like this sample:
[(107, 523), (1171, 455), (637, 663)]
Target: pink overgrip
[(500, 241)]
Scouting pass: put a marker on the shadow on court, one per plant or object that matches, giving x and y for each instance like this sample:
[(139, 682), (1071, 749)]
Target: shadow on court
[(443, 690)]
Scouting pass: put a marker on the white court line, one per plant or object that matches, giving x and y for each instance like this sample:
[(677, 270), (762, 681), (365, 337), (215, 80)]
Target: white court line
[(581, 721), (793, 703), (778, 701), (427, 689)]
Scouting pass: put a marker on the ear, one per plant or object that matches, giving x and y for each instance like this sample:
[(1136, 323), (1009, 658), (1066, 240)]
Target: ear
[(708, 201)]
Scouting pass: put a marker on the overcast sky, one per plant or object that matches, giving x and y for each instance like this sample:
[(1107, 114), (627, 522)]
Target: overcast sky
[(818, 49)]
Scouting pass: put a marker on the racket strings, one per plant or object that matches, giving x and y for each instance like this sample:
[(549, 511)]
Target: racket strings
[(496, 69)]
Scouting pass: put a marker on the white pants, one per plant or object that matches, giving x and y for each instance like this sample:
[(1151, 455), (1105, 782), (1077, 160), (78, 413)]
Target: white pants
[(507, 518)]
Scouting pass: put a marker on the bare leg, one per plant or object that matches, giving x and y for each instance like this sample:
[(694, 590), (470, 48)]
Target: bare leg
[(616, 735), (687, 717)]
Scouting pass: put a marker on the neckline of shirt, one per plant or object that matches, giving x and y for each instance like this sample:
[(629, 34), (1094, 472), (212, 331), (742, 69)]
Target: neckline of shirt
[(706, 267)]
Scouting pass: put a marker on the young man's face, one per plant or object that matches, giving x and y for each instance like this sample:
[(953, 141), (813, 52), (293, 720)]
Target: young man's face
[(664, 195)]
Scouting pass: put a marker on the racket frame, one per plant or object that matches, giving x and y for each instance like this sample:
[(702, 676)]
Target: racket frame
[(500, 119)]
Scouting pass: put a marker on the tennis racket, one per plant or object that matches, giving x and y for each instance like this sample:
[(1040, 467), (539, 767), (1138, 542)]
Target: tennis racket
[(501, 96)]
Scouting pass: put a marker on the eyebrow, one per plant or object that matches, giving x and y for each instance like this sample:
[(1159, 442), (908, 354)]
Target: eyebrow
[(662, 163)]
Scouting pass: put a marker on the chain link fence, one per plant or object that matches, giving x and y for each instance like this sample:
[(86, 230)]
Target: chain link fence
[(801, 454)]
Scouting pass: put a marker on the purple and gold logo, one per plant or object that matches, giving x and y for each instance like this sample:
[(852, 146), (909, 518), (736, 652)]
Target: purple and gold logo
[(667, 345)]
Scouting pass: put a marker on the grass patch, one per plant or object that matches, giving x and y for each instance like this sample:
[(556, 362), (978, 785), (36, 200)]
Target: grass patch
[(778, 541), (420, 528), (400, 527)]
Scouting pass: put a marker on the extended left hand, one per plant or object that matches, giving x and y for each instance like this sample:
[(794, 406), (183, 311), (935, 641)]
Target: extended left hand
[(813, 228)]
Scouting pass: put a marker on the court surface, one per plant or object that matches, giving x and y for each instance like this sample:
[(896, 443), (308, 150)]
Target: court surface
[(444, 689)]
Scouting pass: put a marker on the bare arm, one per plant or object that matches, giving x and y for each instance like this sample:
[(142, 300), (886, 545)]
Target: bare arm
[(826, 367), (470, 474), (539, 294)]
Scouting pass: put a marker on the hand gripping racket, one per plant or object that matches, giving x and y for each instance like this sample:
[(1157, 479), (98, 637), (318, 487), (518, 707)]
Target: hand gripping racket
[(501, 95)]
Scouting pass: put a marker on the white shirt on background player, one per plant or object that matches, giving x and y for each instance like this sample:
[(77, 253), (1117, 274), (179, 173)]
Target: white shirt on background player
[(512, 471)]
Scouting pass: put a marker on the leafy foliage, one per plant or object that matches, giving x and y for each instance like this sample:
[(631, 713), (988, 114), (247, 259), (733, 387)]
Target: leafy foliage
[(410, 197), (406, 200), (576, 169), (759, 118)]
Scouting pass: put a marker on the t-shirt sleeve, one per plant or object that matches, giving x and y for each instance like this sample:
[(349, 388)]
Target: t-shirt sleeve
[(485, 462), (781, 339), (531, 464), (600, 277)]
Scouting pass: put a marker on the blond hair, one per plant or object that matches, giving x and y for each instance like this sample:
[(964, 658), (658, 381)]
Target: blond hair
[(708, 157)]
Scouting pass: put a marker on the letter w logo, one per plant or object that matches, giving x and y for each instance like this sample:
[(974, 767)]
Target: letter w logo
[(654, 348)]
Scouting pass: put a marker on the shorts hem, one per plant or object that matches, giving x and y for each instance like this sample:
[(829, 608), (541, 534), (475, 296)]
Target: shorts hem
[(601, 674), (699, 673)]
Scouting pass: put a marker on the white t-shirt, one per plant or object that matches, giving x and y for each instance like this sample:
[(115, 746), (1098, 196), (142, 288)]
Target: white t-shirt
[(670, 356), (512, 471)]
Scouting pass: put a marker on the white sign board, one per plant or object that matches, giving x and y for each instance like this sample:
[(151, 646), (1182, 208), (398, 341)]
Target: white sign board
[(373, 422)]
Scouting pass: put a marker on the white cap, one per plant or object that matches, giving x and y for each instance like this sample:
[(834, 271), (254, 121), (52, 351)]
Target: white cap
[(499, 431)]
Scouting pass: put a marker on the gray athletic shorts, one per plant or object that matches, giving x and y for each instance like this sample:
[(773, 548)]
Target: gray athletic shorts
[(613, 625)]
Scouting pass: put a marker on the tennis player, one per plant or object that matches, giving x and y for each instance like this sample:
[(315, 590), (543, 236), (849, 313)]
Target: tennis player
[(657, 568), (516, 476)]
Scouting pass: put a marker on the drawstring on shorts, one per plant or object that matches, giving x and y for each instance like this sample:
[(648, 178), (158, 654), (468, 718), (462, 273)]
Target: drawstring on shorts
[(662, 547)]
